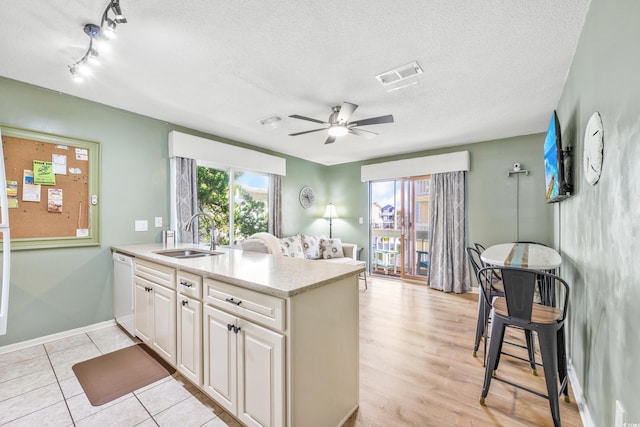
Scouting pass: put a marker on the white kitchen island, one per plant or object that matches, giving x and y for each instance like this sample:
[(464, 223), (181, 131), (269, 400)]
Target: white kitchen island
[(273, 340)]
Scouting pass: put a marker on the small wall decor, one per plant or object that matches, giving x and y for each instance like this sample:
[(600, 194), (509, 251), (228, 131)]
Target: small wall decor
[(593, 146), (307, 197)]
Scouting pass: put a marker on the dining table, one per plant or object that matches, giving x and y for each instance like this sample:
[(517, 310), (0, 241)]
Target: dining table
[(532, 256)]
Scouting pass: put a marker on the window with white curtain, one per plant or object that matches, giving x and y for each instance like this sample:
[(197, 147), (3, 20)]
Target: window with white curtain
[(240, 187), (238, 200)]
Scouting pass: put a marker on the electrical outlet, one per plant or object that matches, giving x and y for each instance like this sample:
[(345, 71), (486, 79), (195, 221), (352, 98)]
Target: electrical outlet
[(158, 221), (360, 220), (141, 225), (620, 415)]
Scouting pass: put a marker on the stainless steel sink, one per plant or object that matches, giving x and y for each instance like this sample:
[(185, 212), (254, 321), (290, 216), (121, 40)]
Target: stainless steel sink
[(187, 253)]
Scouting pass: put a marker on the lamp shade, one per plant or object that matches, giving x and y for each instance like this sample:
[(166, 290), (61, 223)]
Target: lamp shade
[(330, 212)]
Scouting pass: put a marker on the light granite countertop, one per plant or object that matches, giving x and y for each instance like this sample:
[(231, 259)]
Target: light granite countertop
[(273, 275)]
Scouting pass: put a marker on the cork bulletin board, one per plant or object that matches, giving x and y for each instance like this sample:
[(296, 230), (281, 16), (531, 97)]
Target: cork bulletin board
[(53, 187)]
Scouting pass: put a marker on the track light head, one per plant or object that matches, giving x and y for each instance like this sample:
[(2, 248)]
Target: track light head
[(93, 56), (119, 17), (110, 29), (75, 74)]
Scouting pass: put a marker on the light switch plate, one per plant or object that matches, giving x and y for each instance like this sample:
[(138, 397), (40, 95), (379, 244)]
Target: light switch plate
[(141, 225), (158, 221), (360, 220)]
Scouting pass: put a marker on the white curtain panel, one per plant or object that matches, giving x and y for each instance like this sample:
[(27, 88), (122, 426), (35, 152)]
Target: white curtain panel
[(275, 205), (186, 197), (448, 269)]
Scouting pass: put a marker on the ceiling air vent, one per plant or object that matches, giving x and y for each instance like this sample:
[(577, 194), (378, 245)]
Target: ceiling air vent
[(272, 121), (396, 79)]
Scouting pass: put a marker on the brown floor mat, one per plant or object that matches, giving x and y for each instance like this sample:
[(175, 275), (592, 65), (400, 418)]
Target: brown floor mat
[(115, 374)]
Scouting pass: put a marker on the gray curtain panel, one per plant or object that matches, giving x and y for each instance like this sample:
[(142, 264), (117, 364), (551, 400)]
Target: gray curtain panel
[(186, 197), (448, 269), (275, 205)]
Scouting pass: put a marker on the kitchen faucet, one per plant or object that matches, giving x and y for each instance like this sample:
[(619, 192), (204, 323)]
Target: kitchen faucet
[(214, 232)]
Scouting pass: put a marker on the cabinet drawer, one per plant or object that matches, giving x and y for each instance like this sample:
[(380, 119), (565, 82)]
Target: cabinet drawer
[(264, 309), (189, 284), (160, 274)]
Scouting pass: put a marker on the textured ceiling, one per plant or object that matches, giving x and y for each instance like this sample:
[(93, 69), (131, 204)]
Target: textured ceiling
[(492, 69)]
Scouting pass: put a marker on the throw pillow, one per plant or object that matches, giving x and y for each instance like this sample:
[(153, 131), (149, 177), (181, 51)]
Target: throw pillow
[(332, 248), (292, 246), (255, 245), (311, 247)]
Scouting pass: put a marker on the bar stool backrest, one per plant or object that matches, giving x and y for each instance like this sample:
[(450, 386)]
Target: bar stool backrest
[(519, 288)]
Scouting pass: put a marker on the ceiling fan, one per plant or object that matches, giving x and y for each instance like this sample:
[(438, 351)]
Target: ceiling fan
[(339, 124)]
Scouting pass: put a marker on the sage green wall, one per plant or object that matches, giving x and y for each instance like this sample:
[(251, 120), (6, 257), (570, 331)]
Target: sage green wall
[(60, 289), (599, 229), (296, 219)]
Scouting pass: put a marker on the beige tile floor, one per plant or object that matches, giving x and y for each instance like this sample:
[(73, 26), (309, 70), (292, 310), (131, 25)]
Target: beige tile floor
[(38, 388)]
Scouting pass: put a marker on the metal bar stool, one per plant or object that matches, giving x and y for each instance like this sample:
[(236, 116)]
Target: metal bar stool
[(517, 308)]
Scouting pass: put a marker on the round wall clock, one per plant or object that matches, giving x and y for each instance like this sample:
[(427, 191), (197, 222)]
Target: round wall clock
[(307, 197), (593, 143)]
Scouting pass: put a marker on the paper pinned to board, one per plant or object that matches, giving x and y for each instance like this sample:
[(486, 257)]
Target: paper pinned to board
[(43, 173), (54, 200), (82, 154), (12, 194), (30, 191), (59, 162)]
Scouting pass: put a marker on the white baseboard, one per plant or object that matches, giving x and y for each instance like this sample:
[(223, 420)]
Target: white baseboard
[(583, 408), (54, 337)]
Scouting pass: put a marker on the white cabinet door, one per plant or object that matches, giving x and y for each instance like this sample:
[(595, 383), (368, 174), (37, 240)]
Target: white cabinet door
[(261, 396), (164, 323), (143, 312), (189, 345), (220, 361)]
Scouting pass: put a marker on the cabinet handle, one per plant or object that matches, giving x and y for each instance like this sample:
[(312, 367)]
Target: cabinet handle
[(186, 284), (235, 328), (233, 301), (185, 302)]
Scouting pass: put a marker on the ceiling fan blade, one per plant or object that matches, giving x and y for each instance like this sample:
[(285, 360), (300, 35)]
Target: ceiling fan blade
[(309, 119), (365, 133), (373, 121), (330, 140), (346, 111), (306, 131)]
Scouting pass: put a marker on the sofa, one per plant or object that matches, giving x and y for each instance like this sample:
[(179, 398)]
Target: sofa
[(320, 248)]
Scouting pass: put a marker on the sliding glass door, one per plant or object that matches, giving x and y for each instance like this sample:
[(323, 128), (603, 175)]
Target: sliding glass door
[(399, 215)]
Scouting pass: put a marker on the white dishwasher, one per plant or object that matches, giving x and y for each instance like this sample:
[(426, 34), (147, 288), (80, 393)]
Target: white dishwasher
[(123, 289)]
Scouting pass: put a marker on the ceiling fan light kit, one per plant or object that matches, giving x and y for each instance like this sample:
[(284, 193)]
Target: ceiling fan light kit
[(339, 125), (338, 130)]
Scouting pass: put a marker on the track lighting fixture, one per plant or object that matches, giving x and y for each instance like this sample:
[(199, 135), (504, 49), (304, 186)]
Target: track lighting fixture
[(105, 31)]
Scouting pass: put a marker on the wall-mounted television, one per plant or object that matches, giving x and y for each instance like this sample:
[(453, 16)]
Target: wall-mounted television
[(557, 164)]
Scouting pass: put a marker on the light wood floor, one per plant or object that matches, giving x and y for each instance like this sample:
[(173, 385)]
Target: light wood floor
[(417, 368)]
